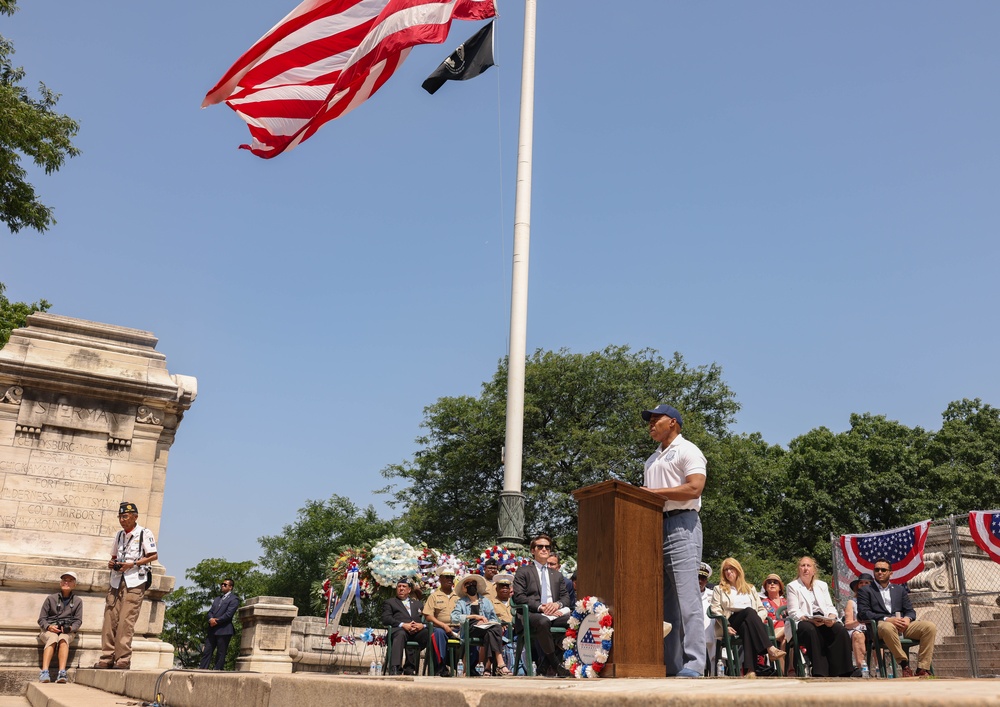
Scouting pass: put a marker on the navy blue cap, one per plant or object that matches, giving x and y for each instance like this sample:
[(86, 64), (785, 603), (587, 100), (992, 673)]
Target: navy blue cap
[(663, 410)]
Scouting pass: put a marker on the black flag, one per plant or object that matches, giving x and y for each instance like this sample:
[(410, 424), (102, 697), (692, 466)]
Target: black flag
[(473, 57)]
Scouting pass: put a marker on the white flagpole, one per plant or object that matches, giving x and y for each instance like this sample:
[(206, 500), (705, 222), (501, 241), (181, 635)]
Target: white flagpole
[(511, 499)]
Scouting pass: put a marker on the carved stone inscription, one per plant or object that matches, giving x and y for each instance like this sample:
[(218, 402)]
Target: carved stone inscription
[(63, 483), (76, 413)]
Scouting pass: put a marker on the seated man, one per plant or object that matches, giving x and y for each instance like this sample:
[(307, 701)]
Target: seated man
[(490, 570), (437, 612), (59, 619), (401, 616), (889, 604), (544, 592), (553, 563), (504, 585)]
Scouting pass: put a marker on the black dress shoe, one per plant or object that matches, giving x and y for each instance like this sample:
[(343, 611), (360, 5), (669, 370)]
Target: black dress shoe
[(409, 671), (395, 671), (444, 672), (561, 672)]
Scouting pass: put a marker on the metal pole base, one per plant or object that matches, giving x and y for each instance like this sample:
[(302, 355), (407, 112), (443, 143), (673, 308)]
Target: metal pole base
[(511, 517)]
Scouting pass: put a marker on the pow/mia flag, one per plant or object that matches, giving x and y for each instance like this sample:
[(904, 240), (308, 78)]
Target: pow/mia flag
[(473, 57)]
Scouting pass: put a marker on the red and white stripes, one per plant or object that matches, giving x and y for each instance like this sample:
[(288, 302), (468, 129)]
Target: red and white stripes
[(326, 58)]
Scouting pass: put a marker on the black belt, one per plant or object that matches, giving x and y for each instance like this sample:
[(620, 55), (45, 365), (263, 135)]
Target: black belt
[(670, 514)]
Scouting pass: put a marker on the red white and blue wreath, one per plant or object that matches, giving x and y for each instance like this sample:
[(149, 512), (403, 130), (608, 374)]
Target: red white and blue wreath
[(588, 638)]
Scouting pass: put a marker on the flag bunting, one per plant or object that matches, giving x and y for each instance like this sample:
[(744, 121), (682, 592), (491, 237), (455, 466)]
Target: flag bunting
[(985, 529), (902, 547)]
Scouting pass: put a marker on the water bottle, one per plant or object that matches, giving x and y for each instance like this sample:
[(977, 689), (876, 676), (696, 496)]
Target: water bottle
[(460, 670), (371, 668), (864, 670), (479, 669), (720, 668), (378, 669)]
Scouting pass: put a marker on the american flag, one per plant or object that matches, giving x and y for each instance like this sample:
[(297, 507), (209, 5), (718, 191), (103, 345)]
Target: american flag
[(985, 529), (903, 547), (326, 58)]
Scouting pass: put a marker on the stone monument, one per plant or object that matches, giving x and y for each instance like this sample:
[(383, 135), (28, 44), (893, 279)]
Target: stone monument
[(88, 413)]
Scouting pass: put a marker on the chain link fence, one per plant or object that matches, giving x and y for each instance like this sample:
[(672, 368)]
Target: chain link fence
[(958, 590)]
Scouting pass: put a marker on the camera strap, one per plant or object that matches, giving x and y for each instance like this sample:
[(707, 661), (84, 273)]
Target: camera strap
[(123, 544)]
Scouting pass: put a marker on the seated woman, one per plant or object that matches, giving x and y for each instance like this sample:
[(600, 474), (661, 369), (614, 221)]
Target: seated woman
[(773, 598), (857, 629), (474, 606), (820, 633), (738, 601)]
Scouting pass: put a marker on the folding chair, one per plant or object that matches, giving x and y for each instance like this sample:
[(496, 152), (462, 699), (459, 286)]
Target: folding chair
[(885, 657), (523, 642)]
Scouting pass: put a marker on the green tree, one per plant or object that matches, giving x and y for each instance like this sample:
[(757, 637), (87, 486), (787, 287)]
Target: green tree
[(870, 478), (581, 426), (965, 455), (14, 315), (297, 558), (184, 622), (741, 504), (30, 127)]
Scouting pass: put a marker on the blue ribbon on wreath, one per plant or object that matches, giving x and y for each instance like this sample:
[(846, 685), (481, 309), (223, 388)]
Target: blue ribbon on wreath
[(352, 586)]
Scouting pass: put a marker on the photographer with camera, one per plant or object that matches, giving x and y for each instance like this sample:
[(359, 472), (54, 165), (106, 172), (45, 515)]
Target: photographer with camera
[(59, 619), (132, 553)]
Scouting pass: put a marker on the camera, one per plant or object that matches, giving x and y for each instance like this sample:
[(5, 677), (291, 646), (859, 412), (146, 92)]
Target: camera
[(117, 567)]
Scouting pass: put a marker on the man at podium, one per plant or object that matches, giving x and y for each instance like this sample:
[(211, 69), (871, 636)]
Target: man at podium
[(676, 472)]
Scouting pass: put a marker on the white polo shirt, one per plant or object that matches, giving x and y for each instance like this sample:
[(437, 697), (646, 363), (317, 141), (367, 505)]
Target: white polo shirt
[(670, 467)]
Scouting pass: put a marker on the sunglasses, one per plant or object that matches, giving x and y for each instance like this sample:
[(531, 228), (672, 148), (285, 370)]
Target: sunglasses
[(883, 569)]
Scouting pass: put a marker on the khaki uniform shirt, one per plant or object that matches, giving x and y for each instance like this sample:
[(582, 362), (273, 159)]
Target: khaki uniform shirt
[(440, 605), (503, 611), (491, 591)]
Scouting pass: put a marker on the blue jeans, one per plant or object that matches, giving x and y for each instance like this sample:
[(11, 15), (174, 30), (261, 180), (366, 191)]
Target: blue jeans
[(682, 542)]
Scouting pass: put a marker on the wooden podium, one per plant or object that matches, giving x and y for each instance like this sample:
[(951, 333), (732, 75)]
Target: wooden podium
[(620, 561)]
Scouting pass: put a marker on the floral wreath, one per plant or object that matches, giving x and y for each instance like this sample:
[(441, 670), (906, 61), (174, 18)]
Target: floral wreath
[(572, 661), (391, 559), (507, 560)]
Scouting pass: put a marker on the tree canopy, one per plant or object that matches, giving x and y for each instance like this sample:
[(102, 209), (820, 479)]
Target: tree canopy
[(28, 127), (14, 315)]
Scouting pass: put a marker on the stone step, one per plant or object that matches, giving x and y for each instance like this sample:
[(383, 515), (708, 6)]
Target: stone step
[(977, 633), (70, 695), (984, 654)]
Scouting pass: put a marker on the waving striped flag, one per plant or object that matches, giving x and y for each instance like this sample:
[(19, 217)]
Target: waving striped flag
[(903, 547), (326, 58), (985, 529)]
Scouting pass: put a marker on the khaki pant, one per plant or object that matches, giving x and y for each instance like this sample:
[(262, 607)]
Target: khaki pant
[(47, 638), (121, 609), (923, 631)]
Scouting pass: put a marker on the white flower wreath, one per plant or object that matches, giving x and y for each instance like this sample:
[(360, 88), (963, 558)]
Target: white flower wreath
[(391, 559)]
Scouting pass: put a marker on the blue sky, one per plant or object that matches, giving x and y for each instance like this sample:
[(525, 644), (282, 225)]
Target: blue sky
[(805, 194)]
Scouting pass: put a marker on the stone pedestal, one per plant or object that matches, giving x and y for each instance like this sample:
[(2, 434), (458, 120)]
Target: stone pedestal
[(88, 413), (267, 635)]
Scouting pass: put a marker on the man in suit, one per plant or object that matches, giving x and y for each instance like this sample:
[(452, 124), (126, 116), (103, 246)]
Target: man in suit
[(553, 563), (889, 604), (220, 627), (402, 616), (544, 591)]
